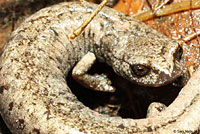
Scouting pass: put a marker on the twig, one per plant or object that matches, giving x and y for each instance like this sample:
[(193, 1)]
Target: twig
[(169, 9), (82, 27)]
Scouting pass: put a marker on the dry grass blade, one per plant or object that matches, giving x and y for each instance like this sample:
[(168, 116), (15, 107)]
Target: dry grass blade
[(82, 27), (169, 9)]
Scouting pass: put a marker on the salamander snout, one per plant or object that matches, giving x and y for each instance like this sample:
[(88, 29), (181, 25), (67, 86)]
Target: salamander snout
[(155, 65)]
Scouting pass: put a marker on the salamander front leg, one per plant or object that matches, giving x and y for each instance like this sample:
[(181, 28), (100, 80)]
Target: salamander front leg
[(96, 82)]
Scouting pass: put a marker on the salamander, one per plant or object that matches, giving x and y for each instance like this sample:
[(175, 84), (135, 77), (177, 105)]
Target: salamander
[(34, 94)]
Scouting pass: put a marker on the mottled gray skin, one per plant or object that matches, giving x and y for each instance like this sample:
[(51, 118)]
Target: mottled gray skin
[(34, 95)]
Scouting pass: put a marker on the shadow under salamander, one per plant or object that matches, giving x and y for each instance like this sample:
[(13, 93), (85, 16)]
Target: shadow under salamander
[(129, 100)]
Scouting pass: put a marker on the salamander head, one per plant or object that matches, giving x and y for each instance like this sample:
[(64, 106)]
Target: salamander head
[(148, 62)]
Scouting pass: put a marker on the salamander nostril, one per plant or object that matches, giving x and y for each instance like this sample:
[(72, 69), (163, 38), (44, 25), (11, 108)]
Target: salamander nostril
[(178, 54)]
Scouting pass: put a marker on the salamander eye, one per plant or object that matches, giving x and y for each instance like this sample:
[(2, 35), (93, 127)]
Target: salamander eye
[(140, 70), (178, 53)]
